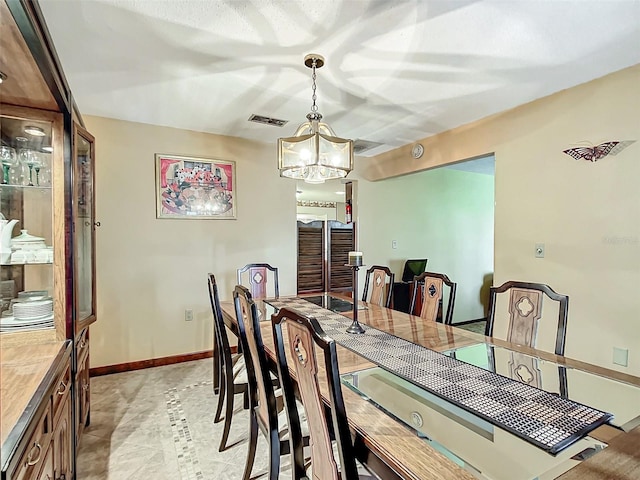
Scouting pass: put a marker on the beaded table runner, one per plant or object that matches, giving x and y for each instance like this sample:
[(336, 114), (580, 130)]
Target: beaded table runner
[(539, 417)]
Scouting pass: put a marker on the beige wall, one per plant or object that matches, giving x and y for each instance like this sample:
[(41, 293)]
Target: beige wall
[(151, 270), (587, 214), (444, 215)]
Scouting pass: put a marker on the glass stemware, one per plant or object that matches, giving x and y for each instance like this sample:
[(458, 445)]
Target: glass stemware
[(32, 160), (9, 161), (44, 178)]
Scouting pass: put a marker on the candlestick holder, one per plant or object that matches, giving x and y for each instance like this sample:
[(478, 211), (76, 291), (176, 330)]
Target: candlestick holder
[(355, 327)]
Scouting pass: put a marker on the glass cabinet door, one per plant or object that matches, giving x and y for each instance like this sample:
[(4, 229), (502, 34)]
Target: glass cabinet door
[(27, 233), (84, 227)]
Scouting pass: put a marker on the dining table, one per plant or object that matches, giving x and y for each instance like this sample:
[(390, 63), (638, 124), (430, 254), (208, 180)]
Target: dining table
[(406, 430)]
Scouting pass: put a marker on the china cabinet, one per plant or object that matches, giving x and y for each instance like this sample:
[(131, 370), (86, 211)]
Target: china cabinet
[(47, 261)]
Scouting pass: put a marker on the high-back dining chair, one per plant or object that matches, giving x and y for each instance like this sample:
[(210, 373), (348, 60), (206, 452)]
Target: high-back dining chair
[(231, 376), (525, 308), (297, 353), (427, 290), (257, 279), (380, 280), (263, 403)]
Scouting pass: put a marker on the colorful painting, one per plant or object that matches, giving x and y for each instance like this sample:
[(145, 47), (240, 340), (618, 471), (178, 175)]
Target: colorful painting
[(189, 187)]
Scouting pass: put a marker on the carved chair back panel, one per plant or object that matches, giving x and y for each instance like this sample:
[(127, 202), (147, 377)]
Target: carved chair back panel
[(431, 296), (258, 282), (525, 309), (379, 287), (303, 361)]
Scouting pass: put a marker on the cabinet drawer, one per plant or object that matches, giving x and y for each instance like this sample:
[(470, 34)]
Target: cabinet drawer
[(35, 451), (61, 391)]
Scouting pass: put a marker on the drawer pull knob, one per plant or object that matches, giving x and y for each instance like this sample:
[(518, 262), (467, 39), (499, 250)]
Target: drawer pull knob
[(30, 460), (62, 389)]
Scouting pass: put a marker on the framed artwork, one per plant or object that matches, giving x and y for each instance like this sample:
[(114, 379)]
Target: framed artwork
[(192, 187)]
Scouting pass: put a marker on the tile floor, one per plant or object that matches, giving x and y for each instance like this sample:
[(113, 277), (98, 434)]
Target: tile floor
[(477, 327), (157, 424)]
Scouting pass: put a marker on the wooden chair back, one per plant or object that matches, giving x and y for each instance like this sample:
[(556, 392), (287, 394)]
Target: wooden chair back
[(296, 352), (261, 394), (525, 310), (380, 280), (427, 291), (258, 279), (220, 337)]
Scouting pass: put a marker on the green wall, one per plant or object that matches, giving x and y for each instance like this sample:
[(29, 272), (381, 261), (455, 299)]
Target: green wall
[(444, 215)]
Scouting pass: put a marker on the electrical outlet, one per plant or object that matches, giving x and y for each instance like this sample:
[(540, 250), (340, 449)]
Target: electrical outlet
[(188, 315), (621, 356), (394, 244), (539, 250)]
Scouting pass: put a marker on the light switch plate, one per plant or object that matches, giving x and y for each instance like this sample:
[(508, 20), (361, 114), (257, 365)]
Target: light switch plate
[(394, 244), (539, 250), (621, 356), (188, 315)]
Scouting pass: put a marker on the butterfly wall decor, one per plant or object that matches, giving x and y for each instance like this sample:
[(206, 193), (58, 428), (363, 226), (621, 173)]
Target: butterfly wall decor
[(593, 154)]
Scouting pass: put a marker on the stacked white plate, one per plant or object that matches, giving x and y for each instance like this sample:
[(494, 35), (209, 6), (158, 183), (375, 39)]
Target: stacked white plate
[(32, 310), (27, 309), (10, 324)]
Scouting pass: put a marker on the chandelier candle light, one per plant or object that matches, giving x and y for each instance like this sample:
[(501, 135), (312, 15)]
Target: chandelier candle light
[(314, 153)]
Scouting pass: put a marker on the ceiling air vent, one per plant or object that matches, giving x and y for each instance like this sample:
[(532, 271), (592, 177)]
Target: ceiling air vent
[(267, 120), (361, 146)]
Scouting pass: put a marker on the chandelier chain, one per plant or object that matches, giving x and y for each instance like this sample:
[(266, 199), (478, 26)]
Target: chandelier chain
[(314, 107)]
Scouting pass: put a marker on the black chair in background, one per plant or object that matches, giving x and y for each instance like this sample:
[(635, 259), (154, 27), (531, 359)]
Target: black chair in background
[(402, 290), (525, 310), (230, 377), (426, 297), (413, 268), (380, 280), (258, 279), (304, 338)]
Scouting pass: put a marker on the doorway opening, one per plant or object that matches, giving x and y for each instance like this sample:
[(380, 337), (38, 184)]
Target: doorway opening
[(325, 234)]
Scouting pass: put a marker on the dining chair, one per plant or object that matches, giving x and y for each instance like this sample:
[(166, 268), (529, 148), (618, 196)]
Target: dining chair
[(265, 406), (525, 309), (296, 352), (381, 281), (427, 291), (257, 279), (230, 375)]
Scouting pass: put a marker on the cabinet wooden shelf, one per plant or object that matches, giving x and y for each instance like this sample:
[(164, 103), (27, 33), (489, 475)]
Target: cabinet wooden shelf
[(23, 264)]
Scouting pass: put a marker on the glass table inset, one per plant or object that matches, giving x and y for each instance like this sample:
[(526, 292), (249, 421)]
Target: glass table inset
[(607, 394), (334, 304), (485, 450)]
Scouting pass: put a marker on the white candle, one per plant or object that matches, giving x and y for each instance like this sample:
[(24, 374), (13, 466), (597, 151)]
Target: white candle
[(355, 258)]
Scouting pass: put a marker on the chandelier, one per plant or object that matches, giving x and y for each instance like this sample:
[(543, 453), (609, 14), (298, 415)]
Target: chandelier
[(314, 153)]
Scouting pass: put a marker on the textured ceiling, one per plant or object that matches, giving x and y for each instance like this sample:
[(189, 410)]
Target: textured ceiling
[(395, 71)]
